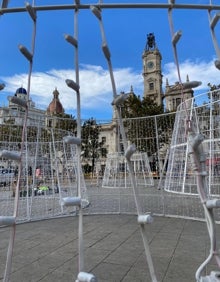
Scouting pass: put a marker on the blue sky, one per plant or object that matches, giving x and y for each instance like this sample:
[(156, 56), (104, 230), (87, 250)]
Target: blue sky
[(126, 32)]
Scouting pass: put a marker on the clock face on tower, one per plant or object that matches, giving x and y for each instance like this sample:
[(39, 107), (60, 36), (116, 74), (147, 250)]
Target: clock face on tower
[(150, 64)]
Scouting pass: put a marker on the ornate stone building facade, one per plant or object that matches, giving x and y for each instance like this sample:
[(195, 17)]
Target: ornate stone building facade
[(153, 79), (14, 114), (173, 96), (55, 108)]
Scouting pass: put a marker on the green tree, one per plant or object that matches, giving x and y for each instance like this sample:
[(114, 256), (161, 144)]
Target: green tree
[(92, 148), (60, 124), (134, 106), (66, 122), (139, 117)]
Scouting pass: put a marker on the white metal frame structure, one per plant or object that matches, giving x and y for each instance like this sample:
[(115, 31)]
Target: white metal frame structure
[(194, 149), (116, 171), (17, 156), (50, 191), (75, 201), (179, 173)]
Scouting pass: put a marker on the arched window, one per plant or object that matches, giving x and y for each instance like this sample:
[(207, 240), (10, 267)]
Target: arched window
[(151, 86)]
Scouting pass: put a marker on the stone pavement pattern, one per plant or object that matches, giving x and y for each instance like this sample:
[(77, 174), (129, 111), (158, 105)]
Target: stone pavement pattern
[(48, 250)]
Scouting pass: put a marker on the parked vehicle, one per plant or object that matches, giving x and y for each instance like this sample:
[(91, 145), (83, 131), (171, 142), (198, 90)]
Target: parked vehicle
[(6, 176)]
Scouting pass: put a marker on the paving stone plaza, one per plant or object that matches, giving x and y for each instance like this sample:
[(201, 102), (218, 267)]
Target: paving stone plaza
[(47, 250)]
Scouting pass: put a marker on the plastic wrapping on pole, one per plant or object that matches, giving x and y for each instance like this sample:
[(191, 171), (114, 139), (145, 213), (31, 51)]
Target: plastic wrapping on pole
[(25, 52), (214, 20), (7, 220), (18, 101), (72, 140), (214, 203), (213, 277), (119, 100), (10, 155), (96, 11), (106, 51), (145, 219), (191, 84), (86, 277), (217, 64), (130, 151), (71, 40), (71, 201), (197, 140), (176, 37), (31, 11), (72, 84), (194, 146), (194, 142), (4, 4), (2, 86)]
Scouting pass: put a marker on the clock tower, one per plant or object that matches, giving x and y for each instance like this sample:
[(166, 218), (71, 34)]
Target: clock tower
[(152, 71)]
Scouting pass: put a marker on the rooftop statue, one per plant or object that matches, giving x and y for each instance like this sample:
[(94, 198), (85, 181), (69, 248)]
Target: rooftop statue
[(150, 41)]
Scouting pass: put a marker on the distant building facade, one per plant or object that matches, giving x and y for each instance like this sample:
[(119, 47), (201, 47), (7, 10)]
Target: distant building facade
[(152, 74), (173, 95), (14, 114), (55, 108)]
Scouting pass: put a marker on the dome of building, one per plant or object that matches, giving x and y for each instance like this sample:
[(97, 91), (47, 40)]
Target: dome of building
[(21, 90), (55, 106)]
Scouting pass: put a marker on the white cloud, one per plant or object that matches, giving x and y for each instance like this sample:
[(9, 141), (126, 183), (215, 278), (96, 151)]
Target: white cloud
[(95, 86), (199, 70), (95, 83)]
